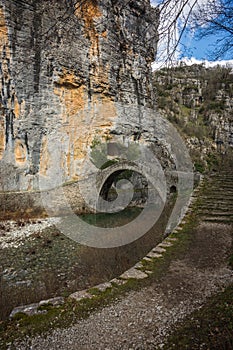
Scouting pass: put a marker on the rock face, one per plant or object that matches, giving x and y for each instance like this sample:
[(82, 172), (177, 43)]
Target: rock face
[(199, 102), (65, 73)]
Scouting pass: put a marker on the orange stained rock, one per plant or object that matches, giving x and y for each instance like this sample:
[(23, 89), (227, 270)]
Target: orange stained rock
[(100, 81), (88, 11), (104, 34), (2, 138), (3, 43), (101, 120), (68, 163), (20, 152), (72, 99), (4, 47), (16, 108), (69, 79), (45, 160), (3, 31), (80, 147), (80, 118)]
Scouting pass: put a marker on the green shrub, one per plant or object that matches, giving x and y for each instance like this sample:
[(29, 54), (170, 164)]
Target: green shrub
[(199, 167)]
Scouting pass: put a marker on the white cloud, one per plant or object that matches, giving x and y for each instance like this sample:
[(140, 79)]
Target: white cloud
[(191, 61), (154, 3)]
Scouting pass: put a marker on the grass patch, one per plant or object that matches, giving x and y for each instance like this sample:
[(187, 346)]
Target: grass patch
[(211, 327), (200, 167), (108, 163)]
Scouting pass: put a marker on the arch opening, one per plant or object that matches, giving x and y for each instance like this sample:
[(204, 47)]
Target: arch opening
[(108, 191)]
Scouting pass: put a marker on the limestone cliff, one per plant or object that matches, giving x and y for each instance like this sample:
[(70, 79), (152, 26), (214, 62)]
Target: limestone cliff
[(65, 68), (199, 102)]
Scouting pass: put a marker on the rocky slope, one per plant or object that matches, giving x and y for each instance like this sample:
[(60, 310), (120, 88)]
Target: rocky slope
[(199, 102)]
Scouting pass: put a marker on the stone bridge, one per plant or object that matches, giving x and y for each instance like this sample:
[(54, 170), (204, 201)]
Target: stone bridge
[(14, 204), (147, 170), (144, 177)]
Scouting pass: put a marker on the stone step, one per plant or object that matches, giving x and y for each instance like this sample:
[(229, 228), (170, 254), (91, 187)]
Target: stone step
[(207, 209), (215, 203), (216, 206), (223, 183), (217, 200), (221, 196), (222, 219), (221, 175), (223, 205), (213, 190), (221, 201), (216, 188), (221, 178), (217, 213), (220, 186)]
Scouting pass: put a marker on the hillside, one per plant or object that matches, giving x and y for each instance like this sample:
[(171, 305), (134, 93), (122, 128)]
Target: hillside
[(199, 102)]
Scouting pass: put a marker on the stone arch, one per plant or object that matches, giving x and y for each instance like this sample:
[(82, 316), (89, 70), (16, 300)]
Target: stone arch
[(103, 175), (119, 167), (173, 189), (108, 191)]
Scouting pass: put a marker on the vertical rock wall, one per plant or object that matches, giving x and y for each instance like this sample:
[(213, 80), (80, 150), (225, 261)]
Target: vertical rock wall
[(65, 68)]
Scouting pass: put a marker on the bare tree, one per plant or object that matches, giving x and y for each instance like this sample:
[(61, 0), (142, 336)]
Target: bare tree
[(206, 17), (174, 20), (216, 18), (200, 17)]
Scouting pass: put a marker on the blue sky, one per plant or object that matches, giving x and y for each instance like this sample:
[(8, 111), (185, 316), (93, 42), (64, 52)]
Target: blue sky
[(200, 48)]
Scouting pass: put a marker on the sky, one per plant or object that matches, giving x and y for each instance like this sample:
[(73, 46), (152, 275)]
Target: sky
[(200, 48), (191, 46)]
